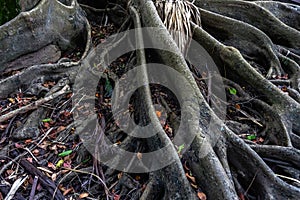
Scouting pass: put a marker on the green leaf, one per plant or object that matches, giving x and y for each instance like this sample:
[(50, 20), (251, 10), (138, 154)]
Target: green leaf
[(46, 120), (180, 148), (59, 163), (232, 91), (65, 153), (251, 137)]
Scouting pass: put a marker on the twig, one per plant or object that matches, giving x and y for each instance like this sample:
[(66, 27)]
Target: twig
[(11, 162), (245, 193), (34, 105), (15, 187), (97, 9), (84, 172), (288, 178), (47, 183), (34, 184)]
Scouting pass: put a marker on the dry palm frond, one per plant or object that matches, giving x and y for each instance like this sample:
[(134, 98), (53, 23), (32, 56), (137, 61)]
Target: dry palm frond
[(176, 16)]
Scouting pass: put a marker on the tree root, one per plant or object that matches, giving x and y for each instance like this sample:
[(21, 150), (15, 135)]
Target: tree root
[(248, 39), (217, 157), (284, 12), (60, 27), (258, 16)]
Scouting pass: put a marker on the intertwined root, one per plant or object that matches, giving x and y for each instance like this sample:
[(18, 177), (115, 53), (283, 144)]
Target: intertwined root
[(257, 53)]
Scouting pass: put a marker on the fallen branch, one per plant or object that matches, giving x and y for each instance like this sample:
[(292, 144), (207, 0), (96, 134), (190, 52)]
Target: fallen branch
[(47, 183), (34, 105)]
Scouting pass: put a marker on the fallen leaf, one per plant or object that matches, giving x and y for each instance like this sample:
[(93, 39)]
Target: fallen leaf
[(46, 120), (139, 155), (67, 191), (180, 148), (9, 171), (116, 197), (54, 177), (36, 152), (61, 128), (194, 186), (83, 195), (190, 177), (232, 91), (65, 153), (201, 195), (59, 163), (19, 146), (158, 114), (28, 141), (120, 175), (11, 100)]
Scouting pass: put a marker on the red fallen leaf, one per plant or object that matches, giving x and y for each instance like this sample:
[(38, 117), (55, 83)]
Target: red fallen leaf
[(1, 197), (116, 197), (260, 140), (67, 113), (46, 125), (9, 171), (29, 159), (241, 196), (28, 141), (67, 164), (201, 195), (69, 95)]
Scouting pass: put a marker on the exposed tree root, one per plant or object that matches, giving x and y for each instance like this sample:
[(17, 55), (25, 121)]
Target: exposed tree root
[(39, 27), (224, 165), (248, 39), (259, 17), (284, 12)]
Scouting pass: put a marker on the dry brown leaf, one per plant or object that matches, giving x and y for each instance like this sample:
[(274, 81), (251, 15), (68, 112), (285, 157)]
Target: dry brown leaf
[(67, 191), (61, 128), (83, 195), (201, 195), (120, 175), (51, 165), (158, 113), (36, 152), (139, 155), (54, 177), (190, 177)]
